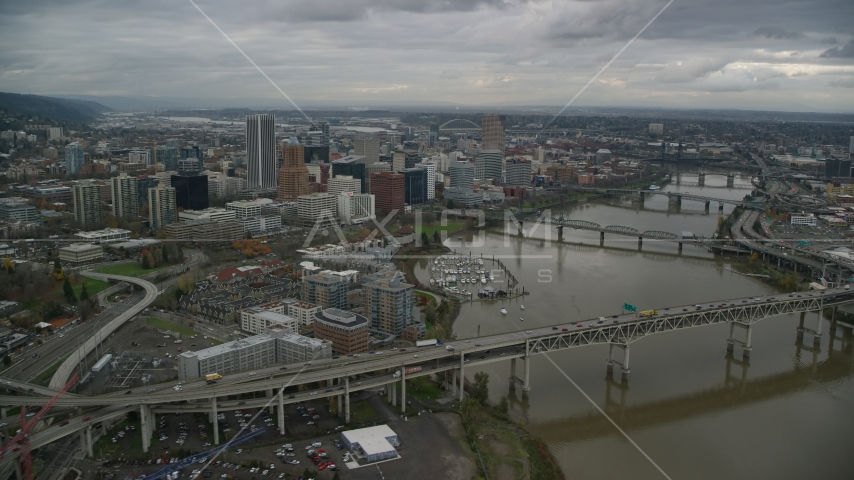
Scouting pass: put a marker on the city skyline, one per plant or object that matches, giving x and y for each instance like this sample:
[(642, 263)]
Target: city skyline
[(787, 56)]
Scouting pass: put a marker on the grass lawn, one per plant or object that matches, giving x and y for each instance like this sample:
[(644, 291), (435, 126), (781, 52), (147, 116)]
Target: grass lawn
[(425, 295), (422, 389), (166, 325), (44, 377), (92, 286), (128, 270), (362, 412), (451, 227)]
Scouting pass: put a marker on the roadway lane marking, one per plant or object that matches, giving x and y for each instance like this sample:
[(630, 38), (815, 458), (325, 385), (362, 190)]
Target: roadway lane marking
[(607, 417)]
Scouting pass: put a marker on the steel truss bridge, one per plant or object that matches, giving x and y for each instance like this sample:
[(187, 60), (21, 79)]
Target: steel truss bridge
[(619, 332)]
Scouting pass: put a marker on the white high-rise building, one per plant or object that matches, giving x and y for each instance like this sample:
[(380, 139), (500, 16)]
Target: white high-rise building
[(356, 207), (344, 183), (87, 204), (317, 207), (161, 207), (261, 151), (431, 178), (140, 156), (125, 196), (462, 174), (55, 134), (490, 165)]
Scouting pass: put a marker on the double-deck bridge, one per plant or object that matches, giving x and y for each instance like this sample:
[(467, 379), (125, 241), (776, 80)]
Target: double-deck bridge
[(340, 377)]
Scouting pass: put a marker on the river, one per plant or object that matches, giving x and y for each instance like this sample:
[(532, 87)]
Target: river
[(695, 413)]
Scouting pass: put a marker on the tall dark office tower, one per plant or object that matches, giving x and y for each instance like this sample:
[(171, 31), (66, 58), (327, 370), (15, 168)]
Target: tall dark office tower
[(351, 165), (261, 151), (415, 185), (493, 132), (191, 191)]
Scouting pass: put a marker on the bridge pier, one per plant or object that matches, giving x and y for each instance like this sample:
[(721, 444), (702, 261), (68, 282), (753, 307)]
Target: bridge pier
[(526, 382), (403, 389), (89, 445), (214, 422), (730, 180), (746, 344), (462, 376), (707, 207), (346, 399), (640, 242), (512, 374), (701, 179), (144, 428), (601, 238), (281, 412), (680, 247), (270, 395), (720, 206), (521, 227), (609, 368), (560, 232)]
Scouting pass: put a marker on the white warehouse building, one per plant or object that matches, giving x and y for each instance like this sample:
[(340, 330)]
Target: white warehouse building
[(258, 320)]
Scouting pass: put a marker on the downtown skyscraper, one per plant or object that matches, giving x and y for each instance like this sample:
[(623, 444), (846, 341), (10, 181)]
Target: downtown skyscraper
[(261, 151), (492, 126)]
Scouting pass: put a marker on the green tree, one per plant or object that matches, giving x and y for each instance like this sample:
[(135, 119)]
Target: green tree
[(56, 265), (84, 294), (336, 477), (480, 389), (504, 405), (436, 237), (425, 240), (7, 360), (69, 291), (145, 263)]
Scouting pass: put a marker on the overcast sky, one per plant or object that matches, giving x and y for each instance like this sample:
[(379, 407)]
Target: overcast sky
[(793, 55)]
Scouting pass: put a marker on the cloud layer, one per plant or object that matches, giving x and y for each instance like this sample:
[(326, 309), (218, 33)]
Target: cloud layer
[(759, 54)]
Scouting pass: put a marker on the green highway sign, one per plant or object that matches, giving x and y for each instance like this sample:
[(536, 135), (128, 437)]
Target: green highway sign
[(629, 308)]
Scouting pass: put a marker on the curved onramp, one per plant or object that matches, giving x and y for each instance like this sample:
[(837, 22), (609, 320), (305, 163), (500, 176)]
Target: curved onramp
[(63, 373)]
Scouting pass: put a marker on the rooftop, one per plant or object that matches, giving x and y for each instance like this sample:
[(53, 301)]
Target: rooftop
[(340, 317), (373, 440)]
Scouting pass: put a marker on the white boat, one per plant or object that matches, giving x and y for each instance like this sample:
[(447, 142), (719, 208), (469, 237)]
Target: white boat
[(521, 307), (654, 187), (503, 311)]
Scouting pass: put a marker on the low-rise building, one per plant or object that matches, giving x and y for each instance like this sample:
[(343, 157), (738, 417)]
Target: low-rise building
[(107, 235), (347, 331), (303, 312), (808, 220), (259, 320), (256, 352), (81, 253), (372, 443)]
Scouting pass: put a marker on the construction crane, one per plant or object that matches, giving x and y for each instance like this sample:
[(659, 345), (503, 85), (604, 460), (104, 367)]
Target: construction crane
[(23, 438)]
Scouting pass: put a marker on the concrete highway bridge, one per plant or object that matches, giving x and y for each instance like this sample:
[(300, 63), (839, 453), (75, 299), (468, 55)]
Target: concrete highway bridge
[(341, 377)]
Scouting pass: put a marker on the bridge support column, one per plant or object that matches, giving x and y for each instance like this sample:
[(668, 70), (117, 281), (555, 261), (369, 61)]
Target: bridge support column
[(89, 445), (707, 206), (453, 383), (521, 228), (346, 399), (462, 391), (560, 232), (680, 247), (746, 344), (624, 378), (403, 389), (340, 411), (19, 474), (640, 243), (720, 206), (701, 179), (801, 325), (214, 422), (281, 412), (730, 181), (526, 381), (512, 374), (270, 407), (601, 238), (144, 428)]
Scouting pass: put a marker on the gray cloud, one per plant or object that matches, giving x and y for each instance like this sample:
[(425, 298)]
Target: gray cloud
[(846, 51), (479, 52), (829, 41), (842, 83), (777, 33)]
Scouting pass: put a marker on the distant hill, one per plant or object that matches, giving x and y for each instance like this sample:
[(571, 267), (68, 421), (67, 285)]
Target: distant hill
[(56, 109)]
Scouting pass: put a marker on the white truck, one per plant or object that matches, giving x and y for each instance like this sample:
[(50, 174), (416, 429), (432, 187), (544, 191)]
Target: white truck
[(408, 371)]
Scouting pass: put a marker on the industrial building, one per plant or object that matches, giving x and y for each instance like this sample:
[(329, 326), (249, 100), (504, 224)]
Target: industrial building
[(372, 443)]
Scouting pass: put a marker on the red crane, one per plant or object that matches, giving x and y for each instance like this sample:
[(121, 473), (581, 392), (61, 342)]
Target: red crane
[(23, 438)]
